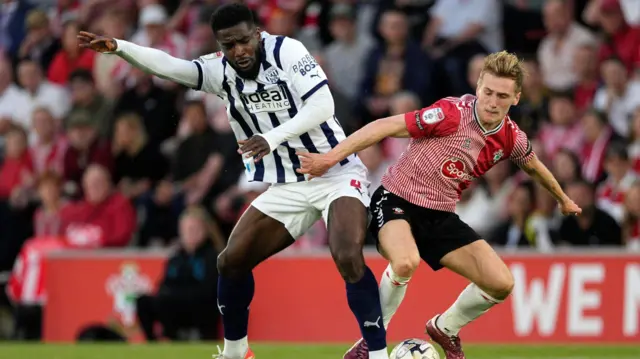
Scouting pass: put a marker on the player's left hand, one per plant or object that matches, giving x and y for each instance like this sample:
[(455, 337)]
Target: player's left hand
[(313, 164), (569, 208), (256, 147)]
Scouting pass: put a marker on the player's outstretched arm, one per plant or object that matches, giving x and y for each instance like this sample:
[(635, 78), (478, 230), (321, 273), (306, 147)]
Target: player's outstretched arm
[(316, 164), (541, 174), (150, 60)]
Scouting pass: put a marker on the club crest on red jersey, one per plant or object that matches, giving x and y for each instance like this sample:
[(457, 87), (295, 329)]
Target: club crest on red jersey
[(454, 168), (433, 115), (497, 155)]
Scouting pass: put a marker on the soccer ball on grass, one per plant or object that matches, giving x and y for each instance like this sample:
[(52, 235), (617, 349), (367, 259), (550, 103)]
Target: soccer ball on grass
[(414, 349)]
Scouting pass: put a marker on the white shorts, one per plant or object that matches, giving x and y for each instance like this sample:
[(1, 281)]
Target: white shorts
[(299, 205)]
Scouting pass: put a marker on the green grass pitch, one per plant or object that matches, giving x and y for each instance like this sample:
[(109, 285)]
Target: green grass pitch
[(280, 351)]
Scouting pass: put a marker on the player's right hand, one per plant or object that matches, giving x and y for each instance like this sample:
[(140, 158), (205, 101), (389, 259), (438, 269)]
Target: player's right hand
[(314, 164), (95, 42)]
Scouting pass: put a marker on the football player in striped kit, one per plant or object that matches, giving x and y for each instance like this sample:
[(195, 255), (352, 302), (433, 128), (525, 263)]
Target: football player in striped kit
[(278, 102), (453, 142)]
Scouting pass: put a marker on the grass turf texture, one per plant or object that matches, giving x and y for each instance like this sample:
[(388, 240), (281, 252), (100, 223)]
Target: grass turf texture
[(280, 351)]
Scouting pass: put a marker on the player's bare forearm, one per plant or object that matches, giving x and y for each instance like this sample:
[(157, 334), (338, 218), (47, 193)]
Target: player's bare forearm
[(541, 174), (369, 135)]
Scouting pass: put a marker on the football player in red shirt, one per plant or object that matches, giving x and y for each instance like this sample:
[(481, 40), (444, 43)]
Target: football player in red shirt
[(453, 142)]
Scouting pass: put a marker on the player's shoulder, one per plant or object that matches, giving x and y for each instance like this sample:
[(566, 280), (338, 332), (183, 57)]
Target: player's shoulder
[(211, 59), (456, 107), (283, 48), (511, 127)]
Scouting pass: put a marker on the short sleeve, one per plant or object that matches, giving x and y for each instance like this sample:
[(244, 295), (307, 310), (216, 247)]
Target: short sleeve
[(522, 151), (438, 120), (302, 69), (210, 73)]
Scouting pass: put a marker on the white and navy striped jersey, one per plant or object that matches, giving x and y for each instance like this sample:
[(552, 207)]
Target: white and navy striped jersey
[(288, 76)]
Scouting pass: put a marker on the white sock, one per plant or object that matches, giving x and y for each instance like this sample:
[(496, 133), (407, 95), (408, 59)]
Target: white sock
[(379, 354), (392, 290), (235, 349), (471, 304)]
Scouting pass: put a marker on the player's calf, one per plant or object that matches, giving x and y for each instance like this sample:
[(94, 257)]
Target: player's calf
[(347, 226)]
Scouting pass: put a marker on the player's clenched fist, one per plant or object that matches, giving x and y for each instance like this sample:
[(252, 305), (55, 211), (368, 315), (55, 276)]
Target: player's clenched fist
[(314, 164), (97, 43)]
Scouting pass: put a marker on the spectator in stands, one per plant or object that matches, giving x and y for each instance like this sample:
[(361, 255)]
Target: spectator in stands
[(41, 92), (634, 141), (557, 50), (113, 23), (346, 76), (396, 64), (622, 41), (458, 30), (85, 97), (85, 148), (474, 69), (14, 102), (138, 165), (47, 220), (488, 199), (598, 135), (585, 66), (62, 12), (619, 96), (155, 105), (533, 109), (187, 294), (103, 218), (544, 223), (200, 157), (512, 233), (49, 145), (27, 286), (564, 129), (593, 227), (16, 182), (70, 57), (567, 167), (154, 32), (12, 27), (631, 223), (16, 171), (620, 177), (40, 44)]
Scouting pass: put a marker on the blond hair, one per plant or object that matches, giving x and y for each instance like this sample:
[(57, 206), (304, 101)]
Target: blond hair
[(504, 64)]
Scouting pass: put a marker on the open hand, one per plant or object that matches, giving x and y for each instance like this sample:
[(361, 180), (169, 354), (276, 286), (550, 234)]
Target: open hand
[(569, 208), (314, 164), (95, 42), (256, 147)]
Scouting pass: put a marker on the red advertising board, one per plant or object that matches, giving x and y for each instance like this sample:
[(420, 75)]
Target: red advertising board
[(572, 298)]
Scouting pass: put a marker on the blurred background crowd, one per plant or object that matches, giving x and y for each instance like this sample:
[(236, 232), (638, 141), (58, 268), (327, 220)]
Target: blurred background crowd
[(96, 154)]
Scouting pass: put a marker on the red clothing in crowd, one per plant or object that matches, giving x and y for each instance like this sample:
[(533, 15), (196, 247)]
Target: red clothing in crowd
[(75, 162), (62, 65), (14, 172), (110, 223)]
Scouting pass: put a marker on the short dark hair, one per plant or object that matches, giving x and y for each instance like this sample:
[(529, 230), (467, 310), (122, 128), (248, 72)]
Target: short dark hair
[(617, 149), (82, 75), (230, 15)]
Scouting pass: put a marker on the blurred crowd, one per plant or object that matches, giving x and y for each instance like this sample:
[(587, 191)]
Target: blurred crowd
[(95, 153)]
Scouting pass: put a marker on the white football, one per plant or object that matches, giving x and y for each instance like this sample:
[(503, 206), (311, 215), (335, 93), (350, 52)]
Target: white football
[(414, 349)]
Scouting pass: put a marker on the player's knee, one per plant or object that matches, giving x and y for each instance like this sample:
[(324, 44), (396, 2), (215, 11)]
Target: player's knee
[(230, 265), (501, 286), (350, 262), (405, 266)]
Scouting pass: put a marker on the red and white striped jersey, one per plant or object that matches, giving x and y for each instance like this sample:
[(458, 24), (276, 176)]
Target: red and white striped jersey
[(27, 283), (449, 149)]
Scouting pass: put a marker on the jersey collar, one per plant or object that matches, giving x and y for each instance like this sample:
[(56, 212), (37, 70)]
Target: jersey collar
[(477, 119)]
